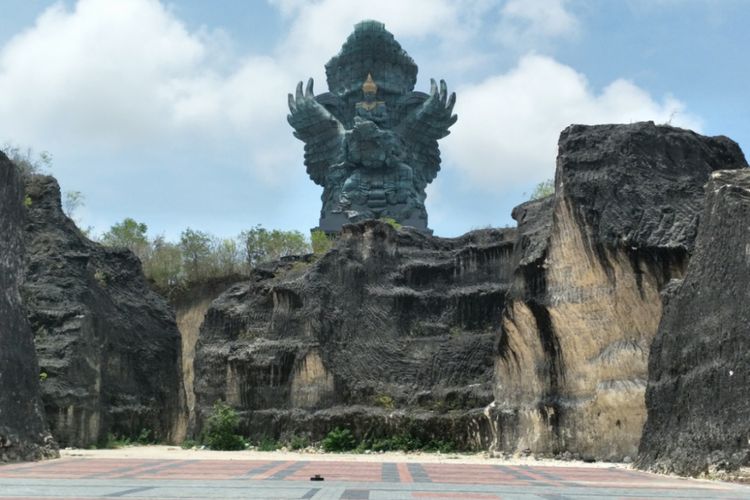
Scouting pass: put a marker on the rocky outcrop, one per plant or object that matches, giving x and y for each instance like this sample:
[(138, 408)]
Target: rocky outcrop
[(698, 394), (389, 332), (107, 345), (23, 431), (585, 302), (551, 322)]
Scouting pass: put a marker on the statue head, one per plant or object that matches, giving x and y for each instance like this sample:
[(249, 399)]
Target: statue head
[(371, 49)]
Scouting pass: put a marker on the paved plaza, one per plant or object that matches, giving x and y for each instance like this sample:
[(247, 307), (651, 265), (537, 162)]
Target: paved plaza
[(134, 478)]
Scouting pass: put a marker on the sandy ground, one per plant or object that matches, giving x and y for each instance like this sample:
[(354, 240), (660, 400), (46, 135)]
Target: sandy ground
[(177, 453)]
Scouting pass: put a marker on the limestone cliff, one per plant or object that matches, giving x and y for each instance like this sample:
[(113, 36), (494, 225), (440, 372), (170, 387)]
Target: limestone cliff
[(585, 300), (108, 345), (390, 331), (698, 394), (23, 431), (190, 305)]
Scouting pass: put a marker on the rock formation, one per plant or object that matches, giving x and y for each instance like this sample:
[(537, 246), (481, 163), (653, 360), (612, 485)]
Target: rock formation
[(23, 431), (190, 306), (585, 301), (391, 331), (551, 322), (534, 339), (698, 394), (107, 344)]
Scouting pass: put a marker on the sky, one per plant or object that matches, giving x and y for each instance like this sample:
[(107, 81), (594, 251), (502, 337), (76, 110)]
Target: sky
[(174, 112)]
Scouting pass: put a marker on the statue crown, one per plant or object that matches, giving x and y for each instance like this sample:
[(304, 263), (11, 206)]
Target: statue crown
[(369, 87)]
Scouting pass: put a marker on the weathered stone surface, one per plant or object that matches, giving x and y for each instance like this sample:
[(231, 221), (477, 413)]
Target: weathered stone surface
[(108, 344), (390, 331), (190, 306), (23, 431), (585, 301), (698, 394)]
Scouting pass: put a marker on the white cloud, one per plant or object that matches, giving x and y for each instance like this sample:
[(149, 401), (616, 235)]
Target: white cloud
[(112, 75), (509, 124), (101, 71), (530, 22), (318, 28), (119, 75)]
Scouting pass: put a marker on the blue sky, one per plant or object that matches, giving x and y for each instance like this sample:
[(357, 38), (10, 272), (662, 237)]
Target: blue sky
[(174, 113)]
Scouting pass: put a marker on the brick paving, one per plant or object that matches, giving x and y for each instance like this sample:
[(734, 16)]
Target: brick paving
[(103, 478)]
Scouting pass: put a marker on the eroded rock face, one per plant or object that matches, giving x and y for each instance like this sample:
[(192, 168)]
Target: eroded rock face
[(23, 431), (698, 395), (585, 301), (389, 332), (109, 345), (190, 306)]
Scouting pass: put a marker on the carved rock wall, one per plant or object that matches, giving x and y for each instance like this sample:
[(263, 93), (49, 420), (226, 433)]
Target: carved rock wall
[(585, 301), (23, 432), (190, 307), (108, 344), (390, 331), (698, 394)]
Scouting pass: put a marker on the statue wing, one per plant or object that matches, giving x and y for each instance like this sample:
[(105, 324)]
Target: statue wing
[(318, 128), (425, 118)]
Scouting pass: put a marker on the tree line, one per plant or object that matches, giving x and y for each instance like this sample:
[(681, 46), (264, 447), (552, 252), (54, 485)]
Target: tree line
[(199, 256)]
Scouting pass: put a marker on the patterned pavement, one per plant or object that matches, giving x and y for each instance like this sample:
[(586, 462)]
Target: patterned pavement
[(101, 478)]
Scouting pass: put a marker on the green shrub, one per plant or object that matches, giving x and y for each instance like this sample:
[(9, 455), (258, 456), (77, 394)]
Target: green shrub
[(144, 437), (408, 442), (101, 277), (220, 429), (189, 444), (112, 441), (320, 242), (298, 442), (268, 444), (543, 189), (384, 401), (391, 222), (339, 440)]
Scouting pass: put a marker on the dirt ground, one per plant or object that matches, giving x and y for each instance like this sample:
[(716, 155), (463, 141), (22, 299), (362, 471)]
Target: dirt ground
[(177, 453)]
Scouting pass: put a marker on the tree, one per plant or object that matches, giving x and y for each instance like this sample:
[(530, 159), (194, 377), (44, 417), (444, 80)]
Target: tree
[(196, 254), (25, 159), (129, 234), (543, 189), (228, 258), (285, 243), (256, 242), (262, 245), (72, 201), (164, 264), (320, 242)]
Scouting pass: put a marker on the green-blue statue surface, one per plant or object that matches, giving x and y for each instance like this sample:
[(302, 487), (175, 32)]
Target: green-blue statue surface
[(371, 141)]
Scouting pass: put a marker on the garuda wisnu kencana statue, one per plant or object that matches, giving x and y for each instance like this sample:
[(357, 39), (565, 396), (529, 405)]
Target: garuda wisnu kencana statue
[(371, 142)]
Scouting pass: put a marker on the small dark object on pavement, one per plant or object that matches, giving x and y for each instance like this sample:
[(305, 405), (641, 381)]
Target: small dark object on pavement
[(317, 477)]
